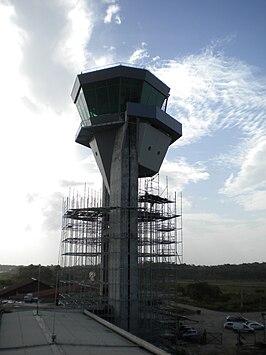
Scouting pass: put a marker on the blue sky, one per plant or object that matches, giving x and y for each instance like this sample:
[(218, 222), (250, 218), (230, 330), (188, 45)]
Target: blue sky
[(211, 53)]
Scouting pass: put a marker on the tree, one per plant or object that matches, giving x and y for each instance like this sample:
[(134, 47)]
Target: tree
[(47, 273), (202, 291)]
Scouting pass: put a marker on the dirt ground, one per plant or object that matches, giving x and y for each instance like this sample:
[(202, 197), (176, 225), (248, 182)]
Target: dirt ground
[(213, 322)]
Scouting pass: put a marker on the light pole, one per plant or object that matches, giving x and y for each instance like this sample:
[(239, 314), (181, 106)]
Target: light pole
[(263, 314), (38, 289)]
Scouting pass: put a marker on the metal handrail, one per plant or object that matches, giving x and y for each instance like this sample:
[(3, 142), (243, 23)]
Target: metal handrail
[(111, 66)]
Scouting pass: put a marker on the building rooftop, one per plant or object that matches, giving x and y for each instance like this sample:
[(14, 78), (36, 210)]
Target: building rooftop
[(23, 332)]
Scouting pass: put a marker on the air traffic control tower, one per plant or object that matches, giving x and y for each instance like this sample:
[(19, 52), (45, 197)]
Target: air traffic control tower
[(125, 124)]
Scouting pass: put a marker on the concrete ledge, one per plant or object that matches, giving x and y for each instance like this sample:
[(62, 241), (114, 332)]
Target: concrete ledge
[(134, 339), (156, 117)]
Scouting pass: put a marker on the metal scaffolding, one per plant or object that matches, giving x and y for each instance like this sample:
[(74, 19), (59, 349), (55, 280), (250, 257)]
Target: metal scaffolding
[(84, 256), (160, 239)]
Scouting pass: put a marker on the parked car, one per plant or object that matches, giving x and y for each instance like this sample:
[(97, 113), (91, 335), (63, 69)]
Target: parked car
[(7, 301), (256, 325), (229, 325), (192, 332), (184, 328), (242, 328), (236, 319)]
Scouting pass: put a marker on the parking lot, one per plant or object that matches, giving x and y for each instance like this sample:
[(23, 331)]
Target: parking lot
[(213, 323)]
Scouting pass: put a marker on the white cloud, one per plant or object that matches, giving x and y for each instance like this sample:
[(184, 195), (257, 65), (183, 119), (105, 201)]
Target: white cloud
[(37, 143), (252, 174), (255, 201), (11, 55), (174, 176), (112, 11), (211, 92), (118, 20), (249, 184), (180, 173), (76, 33), (213, 239), (139, 54), (53, 47)]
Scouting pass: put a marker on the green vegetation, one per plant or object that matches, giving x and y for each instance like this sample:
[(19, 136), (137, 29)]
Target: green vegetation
[(237, 297), (8, 268), (22, 273), (238, 288), (235, 288), (229, 272), (203, 292)]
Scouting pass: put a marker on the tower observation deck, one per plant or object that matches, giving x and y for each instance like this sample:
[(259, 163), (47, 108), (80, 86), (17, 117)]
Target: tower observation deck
[(125, 124)]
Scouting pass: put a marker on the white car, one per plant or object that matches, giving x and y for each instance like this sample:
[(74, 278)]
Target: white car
[(255, 325), (185, 328), (242, 328), (189, 333), (228, 325), (236, 319)]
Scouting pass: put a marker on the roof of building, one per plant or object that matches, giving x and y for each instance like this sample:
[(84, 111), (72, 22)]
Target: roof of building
[(73, 332), (14, 289)]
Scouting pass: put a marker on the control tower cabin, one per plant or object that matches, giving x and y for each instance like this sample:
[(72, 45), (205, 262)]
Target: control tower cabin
[(125, 124)]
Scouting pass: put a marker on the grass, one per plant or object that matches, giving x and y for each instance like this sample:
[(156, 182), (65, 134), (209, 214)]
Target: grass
[(237, 296)]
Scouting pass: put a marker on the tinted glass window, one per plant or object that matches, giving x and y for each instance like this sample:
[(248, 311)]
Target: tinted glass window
[(150, 96), (145, 93), (92, 101), (82, 108), (102, 97), (113, 95), (130, 92), (102, 100)]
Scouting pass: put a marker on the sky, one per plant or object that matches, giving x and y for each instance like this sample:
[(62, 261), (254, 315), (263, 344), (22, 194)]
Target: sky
[(211, 53)]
